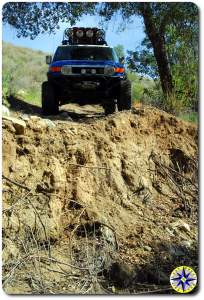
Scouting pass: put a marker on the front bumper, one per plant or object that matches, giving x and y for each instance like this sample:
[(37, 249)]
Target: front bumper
[(72, 87)]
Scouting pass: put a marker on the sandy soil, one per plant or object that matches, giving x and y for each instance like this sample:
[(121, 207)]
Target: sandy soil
[(82, 192)]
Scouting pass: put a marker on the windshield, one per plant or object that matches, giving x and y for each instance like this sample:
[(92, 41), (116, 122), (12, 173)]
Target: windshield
[(85, 53)]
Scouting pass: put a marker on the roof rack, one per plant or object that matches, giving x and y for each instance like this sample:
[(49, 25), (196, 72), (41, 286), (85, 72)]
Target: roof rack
[(84, 36)]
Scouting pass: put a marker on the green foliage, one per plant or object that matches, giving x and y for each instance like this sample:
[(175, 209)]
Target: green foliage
[(189, 116), (119, 49), (32, 18), (154, 95), (184, 60), (181, 34), (23, 72), (142, 60), (139, 86), (5, 88)]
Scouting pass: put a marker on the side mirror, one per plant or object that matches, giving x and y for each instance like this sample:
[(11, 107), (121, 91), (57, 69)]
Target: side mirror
[(48, 59), (122, 60)]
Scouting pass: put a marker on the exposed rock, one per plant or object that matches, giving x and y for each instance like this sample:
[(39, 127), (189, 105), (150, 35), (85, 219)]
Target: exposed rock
[(18, 124), (5, 111), (25, 117), (147, 248), (49, 123), (187, 244), (9, 126), (35, 118), (65, 115), (180, 224)]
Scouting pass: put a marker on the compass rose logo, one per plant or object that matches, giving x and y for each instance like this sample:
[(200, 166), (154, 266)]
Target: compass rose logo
[(183, 279)]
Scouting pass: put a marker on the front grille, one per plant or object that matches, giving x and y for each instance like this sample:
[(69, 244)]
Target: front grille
[(77, 70)]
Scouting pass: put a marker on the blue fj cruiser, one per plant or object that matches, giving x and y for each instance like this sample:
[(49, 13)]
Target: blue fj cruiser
[(85, 70)]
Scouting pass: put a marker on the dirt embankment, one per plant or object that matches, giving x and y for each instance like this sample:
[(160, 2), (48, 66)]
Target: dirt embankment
[(102, 206)]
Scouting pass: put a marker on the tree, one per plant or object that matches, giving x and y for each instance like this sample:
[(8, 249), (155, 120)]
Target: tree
[(156, 36), (182, 50), (33, 18), (142, 60)]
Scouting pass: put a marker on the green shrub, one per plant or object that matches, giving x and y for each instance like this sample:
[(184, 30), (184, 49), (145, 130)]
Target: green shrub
[(139, 85)]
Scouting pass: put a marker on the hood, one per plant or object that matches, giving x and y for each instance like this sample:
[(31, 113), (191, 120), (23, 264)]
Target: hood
[(90, 63)]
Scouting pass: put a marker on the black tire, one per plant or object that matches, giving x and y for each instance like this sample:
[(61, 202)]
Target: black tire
[(50, 105), (109, 107), (125, 98)]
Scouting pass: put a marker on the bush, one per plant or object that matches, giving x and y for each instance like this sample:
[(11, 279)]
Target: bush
[(139, 85)]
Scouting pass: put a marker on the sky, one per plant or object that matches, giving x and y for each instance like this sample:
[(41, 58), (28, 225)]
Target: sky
[(131, 37)]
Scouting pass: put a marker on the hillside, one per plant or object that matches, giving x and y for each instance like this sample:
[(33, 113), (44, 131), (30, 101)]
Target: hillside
[(98, 205), (23, 71)]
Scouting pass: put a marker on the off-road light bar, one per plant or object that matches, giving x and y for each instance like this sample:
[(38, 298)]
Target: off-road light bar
[(82, 35)]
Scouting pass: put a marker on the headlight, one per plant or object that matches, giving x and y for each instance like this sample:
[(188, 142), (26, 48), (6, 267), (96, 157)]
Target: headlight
[(108, 70), (66, 70)]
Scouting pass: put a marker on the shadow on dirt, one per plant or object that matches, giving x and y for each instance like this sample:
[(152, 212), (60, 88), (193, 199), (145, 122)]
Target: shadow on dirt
[(78, 113), (153, 277), (18, 105)]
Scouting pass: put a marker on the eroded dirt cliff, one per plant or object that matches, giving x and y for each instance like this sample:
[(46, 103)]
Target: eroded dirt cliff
[(81, 195)]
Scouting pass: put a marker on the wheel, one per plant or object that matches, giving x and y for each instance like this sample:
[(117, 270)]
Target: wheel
[(109, 107), (125, 98), (50, 105)]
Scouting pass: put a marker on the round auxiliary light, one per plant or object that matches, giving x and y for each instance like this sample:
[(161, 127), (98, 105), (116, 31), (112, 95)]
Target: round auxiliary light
[(68, 32), (79, 33), (83, 71), (93, 71), (71, 33), (89, 33), (99, 33)]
